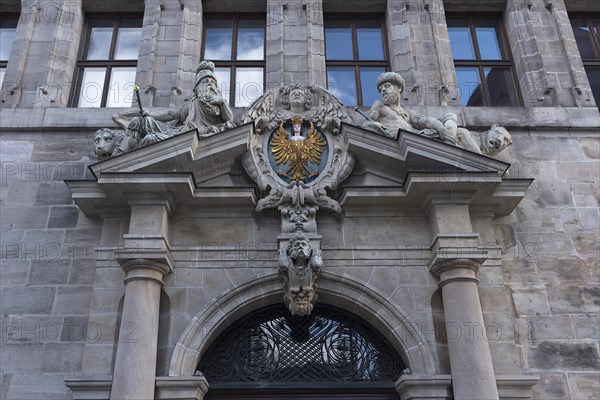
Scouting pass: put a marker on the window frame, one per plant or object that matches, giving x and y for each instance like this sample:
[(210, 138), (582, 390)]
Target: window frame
[(507, 61), (355, 62), (590, 64), (234, 64), (109, 63)]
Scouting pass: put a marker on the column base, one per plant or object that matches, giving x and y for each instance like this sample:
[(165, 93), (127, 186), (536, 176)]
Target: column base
[(424, 387), (181, 387), (90, 388)]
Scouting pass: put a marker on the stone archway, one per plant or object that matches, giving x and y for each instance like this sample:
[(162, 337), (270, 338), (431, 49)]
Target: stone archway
[(389, 319)]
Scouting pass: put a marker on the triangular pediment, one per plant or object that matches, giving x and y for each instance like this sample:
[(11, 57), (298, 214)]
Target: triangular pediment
[(206, 170)]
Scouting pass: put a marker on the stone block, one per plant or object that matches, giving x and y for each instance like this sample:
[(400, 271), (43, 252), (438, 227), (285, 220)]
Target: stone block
[(407, 276), (22, 357), (574, 298), (587, 243), (552, 385), (21, 193), (15, 150), (62, 357), (74, 329), (63, 217), (73, 149), (216, 282), (97, 358), (579, 171), (551, 355), (499, 327), (590, 219), (49, 272), (46, 386), (551, 194), (566, 269), (73, 300), (27, 300), (50, 193), (591, 147), (493, 299), (23, 217), (504, 358), (548, 327), (106, 300), (530, 302), (83, 272), (586, 327), (584, 386)]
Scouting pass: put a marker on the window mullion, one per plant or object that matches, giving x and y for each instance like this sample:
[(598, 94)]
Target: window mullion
[(487, 101)]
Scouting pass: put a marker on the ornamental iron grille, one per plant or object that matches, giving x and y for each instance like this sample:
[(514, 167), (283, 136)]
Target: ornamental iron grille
[(272, 346)]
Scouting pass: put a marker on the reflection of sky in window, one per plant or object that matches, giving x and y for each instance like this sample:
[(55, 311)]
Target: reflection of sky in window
[(99, 44), (7, 36), (223, 81), (468, 82), (249, 85), (487, 39), (251, 40), (460, 42), (342, 83), (368, 79), (120, 91), (90, 94), (338, 39), (582, 37), (2, 72), (218, 39), (128, 43), (370, 41)]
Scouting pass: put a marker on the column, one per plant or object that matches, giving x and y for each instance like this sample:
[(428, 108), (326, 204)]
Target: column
[(146, 261), (456, 261)]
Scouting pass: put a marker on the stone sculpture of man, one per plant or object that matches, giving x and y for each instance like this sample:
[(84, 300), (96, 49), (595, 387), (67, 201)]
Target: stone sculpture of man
[(207, 110), (387, 116)]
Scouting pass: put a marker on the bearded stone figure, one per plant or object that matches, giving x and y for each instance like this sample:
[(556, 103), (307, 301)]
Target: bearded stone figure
[(300, 265)]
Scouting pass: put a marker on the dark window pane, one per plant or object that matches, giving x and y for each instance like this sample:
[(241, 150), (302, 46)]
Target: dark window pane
[(469, 86), (99, 46), (128, 43), (251, 39), (500, 87), (460, 42), (370, 40), (368, 79), (338, 39), (487, 39), (248, 85), (218, 39), (593, 74), (582, 36), (342, 83)]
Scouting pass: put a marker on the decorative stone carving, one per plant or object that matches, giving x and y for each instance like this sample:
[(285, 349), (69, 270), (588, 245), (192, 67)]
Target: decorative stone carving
[(300, 264), (386, 117), (106, 141), (300, 169), (207, 111)]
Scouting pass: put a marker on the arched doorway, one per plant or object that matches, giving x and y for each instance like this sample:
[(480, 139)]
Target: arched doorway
[(331, 354)]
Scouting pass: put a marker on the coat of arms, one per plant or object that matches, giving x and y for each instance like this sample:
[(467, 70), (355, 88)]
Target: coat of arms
[(297, 156)]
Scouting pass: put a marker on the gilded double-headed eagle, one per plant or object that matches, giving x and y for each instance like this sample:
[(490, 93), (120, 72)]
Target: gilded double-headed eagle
[(296, 151)]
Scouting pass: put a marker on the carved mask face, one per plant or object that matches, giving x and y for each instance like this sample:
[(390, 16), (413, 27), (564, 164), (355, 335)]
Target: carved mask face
[(299, 249), (301, 301)]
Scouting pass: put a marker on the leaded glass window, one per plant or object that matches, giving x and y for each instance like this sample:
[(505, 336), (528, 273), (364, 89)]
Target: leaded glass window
[(272, 346)]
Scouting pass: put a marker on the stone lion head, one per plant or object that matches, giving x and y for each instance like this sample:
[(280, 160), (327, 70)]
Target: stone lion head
[(494, 140), (106, 141)]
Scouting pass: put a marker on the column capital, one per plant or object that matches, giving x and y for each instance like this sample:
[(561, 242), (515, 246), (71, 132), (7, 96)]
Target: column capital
[(145, 264), (454, 269)]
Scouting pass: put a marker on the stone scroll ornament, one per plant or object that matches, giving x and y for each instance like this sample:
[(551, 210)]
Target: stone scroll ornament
[(386, 117), (298, 156), (207, 111)]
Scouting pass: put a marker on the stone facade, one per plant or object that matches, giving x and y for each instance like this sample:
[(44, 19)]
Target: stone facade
[(67, 258)]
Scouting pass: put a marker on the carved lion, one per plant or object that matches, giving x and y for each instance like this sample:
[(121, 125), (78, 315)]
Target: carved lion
[(490, 142), (106, 141)]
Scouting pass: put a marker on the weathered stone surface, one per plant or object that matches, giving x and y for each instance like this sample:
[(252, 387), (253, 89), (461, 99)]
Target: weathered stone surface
[(551, 386), (62, 357), (73, 300), (547, 355), (584, 386), (591, 147), (50, 193), (63, 217), (532, 302), (27, 300), (49, 272)]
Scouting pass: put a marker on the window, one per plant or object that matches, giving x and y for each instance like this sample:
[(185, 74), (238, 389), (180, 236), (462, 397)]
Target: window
[(356, 54), (8, 27), (587, 35), (236, 44), (107, 65), (484, 68)]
